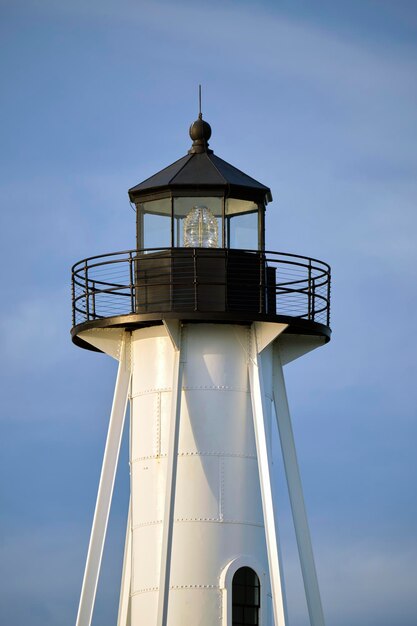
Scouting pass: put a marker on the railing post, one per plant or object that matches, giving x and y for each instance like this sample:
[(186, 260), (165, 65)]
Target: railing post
[(94, 299), (132, 293), (309, 289), (226, 267), (328, 298), (262, 270), (87, 297), (73, 297), (313, 309), (171, 278)]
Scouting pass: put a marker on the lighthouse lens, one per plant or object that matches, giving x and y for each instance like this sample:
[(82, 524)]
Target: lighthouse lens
[(198, 221), (201, 229)]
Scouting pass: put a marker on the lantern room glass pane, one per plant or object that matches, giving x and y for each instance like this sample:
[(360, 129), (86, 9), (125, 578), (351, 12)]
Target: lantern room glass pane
[(198, 222), (235, 206), (154, 224), (242, 224)]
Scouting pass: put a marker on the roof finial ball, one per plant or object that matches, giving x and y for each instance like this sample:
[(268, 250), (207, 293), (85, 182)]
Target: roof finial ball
[(200, 131)]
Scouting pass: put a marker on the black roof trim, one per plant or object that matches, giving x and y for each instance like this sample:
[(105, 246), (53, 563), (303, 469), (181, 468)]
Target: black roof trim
[(203, 169)]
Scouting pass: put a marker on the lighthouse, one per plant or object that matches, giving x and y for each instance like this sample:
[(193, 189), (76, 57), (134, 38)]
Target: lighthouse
[(201, 319)]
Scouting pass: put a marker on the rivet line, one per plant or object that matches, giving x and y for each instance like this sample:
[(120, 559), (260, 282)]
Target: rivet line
[(182, 454), (144, 392), (174, 588), (210, 520)]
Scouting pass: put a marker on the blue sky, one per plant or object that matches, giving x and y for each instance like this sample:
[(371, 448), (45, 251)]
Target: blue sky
[(316, 100)]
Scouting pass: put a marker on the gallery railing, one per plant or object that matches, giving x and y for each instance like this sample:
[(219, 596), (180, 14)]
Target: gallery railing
[(200, 280)]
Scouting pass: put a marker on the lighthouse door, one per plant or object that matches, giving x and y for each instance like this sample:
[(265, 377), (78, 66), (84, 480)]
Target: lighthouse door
[(245, 598)]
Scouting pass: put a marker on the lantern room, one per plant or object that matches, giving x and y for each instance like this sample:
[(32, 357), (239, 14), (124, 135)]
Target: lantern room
[(200, 201)]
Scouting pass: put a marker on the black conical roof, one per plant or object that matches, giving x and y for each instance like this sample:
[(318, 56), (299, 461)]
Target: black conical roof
[(200, 168)]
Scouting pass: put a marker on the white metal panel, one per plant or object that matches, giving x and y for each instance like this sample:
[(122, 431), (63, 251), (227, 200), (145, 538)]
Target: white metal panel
[(241, 494), (145, 425), (209, 546), (150, 475), (164, 420), (183, 603), (216, 422), (198, 488), (169, 500), (153, 357), (123, 616), (144, 607), (216, 356), (146, 556)]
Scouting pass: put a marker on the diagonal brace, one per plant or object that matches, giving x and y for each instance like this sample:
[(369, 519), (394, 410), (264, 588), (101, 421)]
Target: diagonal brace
[(105, 490), (264, 464), (295, 491), (171, 474)]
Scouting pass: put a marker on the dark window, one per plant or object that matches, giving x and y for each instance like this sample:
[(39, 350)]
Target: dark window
[(245, 598)]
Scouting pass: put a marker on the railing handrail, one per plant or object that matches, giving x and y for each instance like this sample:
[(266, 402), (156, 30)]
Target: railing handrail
[(137, 251)]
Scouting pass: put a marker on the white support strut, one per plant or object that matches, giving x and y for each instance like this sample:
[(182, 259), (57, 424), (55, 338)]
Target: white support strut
[(105, 490), (264, 465), (295, 490), (123, 613), (172, 460)]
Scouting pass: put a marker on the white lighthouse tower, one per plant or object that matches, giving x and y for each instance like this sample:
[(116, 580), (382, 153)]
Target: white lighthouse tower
[(202, 320)]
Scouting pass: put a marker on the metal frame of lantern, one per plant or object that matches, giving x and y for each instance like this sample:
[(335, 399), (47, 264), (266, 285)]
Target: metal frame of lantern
[(225, 218)]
